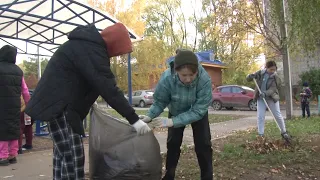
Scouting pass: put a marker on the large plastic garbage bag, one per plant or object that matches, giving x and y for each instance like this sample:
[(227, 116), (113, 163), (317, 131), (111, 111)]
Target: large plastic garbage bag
[(117, 153)]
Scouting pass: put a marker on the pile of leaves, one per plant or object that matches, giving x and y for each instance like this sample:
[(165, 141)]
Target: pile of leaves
[(263, 146)]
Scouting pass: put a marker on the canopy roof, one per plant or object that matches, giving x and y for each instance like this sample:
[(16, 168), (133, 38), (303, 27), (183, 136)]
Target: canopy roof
[(46, 23)]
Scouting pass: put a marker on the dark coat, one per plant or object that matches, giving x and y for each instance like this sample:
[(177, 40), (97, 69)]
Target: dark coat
[(10, 92), (77, 73)]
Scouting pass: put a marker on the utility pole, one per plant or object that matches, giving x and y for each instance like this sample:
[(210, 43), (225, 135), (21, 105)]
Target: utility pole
[(286, 60)]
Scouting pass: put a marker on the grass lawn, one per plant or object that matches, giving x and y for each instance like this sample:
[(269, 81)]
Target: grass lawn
[(213, 118), (243, 156)]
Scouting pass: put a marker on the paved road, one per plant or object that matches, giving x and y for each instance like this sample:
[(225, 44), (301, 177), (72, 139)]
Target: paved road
[(246, 112), (296, 109)]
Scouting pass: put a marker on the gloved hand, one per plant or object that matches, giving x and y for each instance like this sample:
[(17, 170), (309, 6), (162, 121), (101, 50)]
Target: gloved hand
[(252, 76), (162, 122), (262, 95), (141, 127), (144, 118)]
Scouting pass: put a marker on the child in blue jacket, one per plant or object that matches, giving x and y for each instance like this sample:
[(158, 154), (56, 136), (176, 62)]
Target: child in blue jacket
[(186, 89)]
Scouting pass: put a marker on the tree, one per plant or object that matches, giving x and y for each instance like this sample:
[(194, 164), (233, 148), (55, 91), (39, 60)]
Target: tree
[(266, 22), (166, 20), (304, 23), (150, 62), (131, 17), (165, 26), (222, 30), (31, 66), (111, 6)]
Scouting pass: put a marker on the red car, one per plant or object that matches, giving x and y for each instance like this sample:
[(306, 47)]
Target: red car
[(233, 96)]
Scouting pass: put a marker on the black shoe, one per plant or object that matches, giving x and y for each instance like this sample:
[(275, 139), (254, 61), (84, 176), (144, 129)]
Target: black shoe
[(20, 151), (13, 160), (27, 147), (4, 162)]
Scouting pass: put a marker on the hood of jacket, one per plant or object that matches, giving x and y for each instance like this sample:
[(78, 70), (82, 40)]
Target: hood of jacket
[(87, 33), (8, 54)]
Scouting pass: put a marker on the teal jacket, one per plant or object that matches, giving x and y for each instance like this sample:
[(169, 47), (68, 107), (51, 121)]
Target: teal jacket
[(186, 103)]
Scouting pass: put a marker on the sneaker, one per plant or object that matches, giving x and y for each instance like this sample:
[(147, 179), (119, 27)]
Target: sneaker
[(12, 160), (4, 162), (27, 147)]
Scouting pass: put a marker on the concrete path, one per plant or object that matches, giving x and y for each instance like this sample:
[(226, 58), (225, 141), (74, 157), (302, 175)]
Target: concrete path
[(38, 165)]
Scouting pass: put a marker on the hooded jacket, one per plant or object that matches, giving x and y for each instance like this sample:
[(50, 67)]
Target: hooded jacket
[(77, 73), (10, 92), (186, 103)]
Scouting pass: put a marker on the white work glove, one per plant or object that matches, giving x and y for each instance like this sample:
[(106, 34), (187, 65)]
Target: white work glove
[(162, 122), (144, 118), (141, 127)]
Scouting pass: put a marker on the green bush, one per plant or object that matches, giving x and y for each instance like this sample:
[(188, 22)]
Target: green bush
[(313, 78)]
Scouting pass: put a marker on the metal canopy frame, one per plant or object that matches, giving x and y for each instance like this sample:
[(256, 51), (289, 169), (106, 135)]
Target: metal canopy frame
[(46, 23)]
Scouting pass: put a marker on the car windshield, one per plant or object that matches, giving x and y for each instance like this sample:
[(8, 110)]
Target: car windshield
[(150, 92), (247, 88)]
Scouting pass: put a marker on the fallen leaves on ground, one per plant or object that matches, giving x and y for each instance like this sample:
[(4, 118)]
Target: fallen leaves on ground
[(262, 146)]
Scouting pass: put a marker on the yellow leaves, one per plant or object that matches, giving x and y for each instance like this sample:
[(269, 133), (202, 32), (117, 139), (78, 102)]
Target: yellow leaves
[(151, 55), (130, 16)]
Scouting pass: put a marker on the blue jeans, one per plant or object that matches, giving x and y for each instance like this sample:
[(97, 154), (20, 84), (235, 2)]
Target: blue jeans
[(275, 109)]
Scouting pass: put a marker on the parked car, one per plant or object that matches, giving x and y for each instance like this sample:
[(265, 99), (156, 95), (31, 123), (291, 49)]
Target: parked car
[(141, 98), (233, 96)]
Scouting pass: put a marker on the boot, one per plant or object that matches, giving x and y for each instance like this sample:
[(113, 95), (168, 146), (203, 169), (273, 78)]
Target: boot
[(4, 162), (12, 160), (20, 151), (27, 147)]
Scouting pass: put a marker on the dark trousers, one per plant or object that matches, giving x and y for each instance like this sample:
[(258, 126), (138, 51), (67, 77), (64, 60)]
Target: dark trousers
[(203, 148), (26, 130), (305, 107)]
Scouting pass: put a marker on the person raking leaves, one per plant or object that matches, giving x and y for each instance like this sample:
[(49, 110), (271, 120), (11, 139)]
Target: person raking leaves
[(269, 84), (186, 89)]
